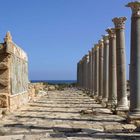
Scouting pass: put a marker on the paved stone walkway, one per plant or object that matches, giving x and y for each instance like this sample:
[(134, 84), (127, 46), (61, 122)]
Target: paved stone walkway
[(57, 116)]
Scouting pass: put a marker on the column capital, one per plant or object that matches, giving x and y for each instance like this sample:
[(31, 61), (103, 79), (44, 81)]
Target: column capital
[(106, 38), (111, 32), (83, 58), (100, 42), (90, 52), (96, 46), (92, 49), (119, 22), (135, 7), (87, 58)]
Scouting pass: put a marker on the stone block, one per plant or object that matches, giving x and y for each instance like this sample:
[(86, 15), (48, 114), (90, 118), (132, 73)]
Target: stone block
[(13, 74)]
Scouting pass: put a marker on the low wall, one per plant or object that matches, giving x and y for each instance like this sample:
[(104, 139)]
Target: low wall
[(18, 100)]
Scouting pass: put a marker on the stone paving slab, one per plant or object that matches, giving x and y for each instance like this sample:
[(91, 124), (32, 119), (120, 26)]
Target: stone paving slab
[(57, 115)]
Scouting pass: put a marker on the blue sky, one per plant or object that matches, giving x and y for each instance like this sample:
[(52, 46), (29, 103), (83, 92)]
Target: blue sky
[(57, 33)]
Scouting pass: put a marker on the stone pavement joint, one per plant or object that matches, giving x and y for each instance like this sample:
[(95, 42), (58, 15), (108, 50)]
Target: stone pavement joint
[(59, 115)]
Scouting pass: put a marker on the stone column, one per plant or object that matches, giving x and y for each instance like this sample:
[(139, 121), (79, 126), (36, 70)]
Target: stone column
[(96, 70), (78, 73), (112, 98), (106, 69), (135, 61), (82, 74), (122, 101), (101, 59), (86, 72), (93, 71), (90, 71)]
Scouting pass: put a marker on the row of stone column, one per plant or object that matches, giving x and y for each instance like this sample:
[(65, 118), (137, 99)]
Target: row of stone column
[(102, 72)]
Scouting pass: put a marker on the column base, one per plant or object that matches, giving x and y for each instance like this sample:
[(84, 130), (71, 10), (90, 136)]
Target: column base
[(122, 111), (88, 92), (95, 95), (123, 104), (112, 105), (122, 108), (100, 99), (133, 117), (91, 95), (96, 98), (104, 102)]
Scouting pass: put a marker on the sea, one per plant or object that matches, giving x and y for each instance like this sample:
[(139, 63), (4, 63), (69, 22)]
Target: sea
[(55, 81)]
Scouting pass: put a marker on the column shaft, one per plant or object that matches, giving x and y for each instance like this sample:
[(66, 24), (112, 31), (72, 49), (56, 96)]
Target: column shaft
[(135, 60), (122, 103), (101, 59), (106, 69), (112, 98), (93, 71), (96, 70), (90, 71)]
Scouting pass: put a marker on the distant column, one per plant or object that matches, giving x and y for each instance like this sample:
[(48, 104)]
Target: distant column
[(122, 101), (106, 68), (86, 72), (90, 71), (93, 71), (78, 70), (135, 60), (96, 70), (112, 98), (101, 59), (82, 73)]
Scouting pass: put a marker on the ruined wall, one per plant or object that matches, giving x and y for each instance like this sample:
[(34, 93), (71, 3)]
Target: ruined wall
[(18, 71), (4, 76), (34, 88), (13, 74)]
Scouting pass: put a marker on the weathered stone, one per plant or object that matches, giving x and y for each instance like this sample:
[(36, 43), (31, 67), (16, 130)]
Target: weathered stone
[(135, 61), (128, 127), (122, 101), (51, 88), (96, 70), (101, 69), (13, 74), (111, 128), (106, 70), (112, 98)]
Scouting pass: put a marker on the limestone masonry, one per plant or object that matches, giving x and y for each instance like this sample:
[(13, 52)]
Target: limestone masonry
[(13, 74)]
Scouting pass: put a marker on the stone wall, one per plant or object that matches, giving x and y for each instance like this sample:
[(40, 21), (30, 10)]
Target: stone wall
[(13, 74), (18, 71)]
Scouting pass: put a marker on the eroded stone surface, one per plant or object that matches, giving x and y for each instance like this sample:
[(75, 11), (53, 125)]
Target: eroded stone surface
[(57, 116), (13, 74)]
